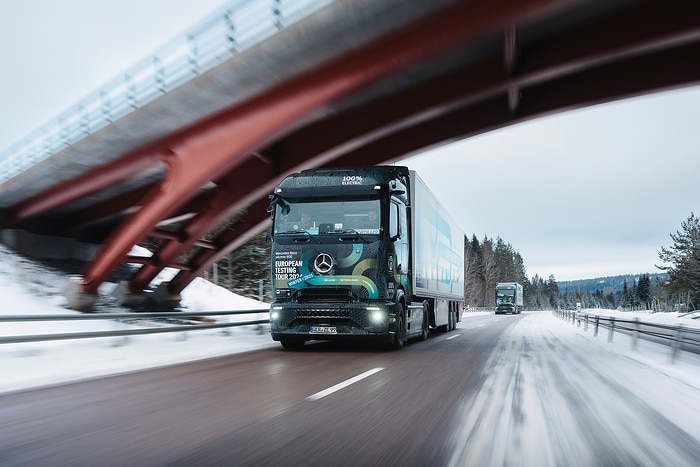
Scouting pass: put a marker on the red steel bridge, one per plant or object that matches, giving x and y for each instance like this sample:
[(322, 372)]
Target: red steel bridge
[(196, 152)]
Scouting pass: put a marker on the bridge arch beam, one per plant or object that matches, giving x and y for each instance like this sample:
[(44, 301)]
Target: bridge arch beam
[(209, 150), (529, 77)]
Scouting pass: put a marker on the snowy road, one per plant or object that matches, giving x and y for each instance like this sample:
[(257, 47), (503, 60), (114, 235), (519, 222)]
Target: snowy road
[(554, 396), (500, 390)]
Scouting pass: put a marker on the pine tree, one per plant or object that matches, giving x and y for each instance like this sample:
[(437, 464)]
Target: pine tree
[(634, 295), (553, 293), (626, 300), (473, 290), (644, 291), (490, 271), (684, 259)]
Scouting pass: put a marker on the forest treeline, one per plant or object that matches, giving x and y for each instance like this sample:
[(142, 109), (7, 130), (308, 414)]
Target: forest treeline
[(682, 263), (246, 271), (488, 262)]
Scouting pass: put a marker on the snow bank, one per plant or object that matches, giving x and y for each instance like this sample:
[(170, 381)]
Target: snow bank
[(30, 288)]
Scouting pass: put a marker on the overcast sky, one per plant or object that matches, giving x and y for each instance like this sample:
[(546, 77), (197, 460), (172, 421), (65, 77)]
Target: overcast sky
[(589, 193)]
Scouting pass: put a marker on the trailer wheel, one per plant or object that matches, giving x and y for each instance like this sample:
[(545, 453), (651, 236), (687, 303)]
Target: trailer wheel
[(449, 326), (446, 327)]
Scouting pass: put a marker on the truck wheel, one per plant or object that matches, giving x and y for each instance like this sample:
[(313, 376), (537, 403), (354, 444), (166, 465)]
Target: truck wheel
[(400, 335)]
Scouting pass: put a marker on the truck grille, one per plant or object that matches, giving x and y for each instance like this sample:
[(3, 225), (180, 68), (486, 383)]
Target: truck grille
[(325, 295), (324, 315)]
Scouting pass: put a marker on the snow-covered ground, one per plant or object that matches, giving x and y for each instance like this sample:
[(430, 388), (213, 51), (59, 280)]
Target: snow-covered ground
[(553, 394), (556, 395), (29, 288)]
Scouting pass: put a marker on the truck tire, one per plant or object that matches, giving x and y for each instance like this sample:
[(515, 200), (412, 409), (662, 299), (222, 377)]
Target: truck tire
[(400, 335)]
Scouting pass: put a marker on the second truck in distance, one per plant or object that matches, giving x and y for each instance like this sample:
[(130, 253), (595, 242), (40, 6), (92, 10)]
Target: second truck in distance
[(509, 297)]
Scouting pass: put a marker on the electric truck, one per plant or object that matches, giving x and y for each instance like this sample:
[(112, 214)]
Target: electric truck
[(362, 253), (509, 297)]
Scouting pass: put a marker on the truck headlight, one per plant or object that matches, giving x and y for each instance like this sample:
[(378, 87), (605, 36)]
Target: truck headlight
[(376, 315), (275, 313)]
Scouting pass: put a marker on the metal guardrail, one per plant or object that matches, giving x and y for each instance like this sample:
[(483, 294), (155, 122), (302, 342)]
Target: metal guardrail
[(239, 26), (676, 337), (125, 316)]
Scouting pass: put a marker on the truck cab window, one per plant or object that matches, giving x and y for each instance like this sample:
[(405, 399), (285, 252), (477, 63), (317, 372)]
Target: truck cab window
[(394, 220), (331, 217)]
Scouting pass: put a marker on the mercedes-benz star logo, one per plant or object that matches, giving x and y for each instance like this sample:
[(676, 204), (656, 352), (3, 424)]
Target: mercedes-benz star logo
[(323, 263)]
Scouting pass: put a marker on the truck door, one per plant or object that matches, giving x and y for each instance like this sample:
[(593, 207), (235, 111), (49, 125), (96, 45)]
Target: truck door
[(398, 230)]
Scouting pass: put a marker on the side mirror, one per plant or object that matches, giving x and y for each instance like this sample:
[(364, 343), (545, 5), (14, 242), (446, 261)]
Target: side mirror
[(285, 208)]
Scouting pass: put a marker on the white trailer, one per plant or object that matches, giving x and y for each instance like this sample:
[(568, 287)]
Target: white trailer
[(438, 257)]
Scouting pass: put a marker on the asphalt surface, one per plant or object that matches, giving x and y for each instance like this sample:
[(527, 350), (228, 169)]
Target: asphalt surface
[(252, 408), (459, 398)]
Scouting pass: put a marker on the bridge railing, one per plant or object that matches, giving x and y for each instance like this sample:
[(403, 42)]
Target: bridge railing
[(676, 337), (239, 26), (150, 323)]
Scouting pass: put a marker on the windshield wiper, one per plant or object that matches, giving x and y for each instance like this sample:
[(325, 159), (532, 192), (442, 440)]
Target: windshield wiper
[(306, 235), (349, 234)]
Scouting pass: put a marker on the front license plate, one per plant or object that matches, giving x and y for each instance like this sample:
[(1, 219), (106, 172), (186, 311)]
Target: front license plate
[(323, 330)]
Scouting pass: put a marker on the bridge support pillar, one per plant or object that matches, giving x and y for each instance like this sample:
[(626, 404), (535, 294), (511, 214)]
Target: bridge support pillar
[(163, 297), (127, 298), (77, 299)]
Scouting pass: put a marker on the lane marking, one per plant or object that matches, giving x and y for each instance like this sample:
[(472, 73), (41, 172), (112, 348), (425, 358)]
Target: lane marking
[(452, 337), (339, 386), (481, 325)]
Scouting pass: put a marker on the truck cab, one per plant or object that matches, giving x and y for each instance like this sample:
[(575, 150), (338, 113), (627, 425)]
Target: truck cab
[(340, 256), (362, 253)]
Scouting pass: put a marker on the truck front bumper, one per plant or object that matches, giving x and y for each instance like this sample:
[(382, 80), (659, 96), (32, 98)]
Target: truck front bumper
[(293, 321)]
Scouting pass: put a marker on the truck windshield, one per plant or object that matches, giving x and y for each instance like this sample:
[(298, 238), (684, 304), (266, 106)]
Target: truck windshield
[(505, 293), (328, 217)]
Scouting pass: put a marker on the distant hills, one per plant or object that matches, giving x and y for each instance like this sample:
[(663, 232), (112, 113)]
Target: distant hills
[(607, 284)]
